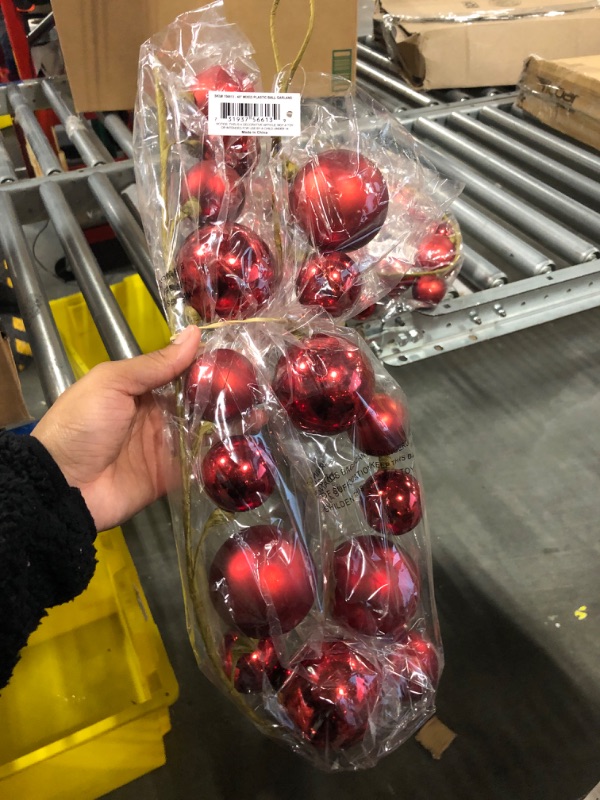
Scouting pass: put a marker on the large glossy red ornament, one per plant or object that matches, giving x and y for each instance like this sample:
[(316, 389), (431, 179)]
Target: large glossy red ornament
[(415, 665), (261, 580), (240, 153), (254, 670), (330, 281), (221, 385), (430, 289), (236, 474), (226, 271), (324, 384), (214, 79), (380, 431), (340, 200), (376, 586), (218, 190), (435, 251), (330, 697), (391, 501)]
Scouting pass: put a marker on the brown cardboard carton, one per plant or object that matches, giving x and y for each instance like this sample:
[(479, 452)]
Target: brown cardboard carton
[(101, 40), (442, 44), (565, 95), (12, 405)]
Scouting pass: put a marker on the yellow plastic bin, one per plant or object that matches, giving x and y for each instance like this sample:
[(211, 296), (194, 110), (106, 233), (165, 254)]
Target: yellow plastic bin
[(87, 708)]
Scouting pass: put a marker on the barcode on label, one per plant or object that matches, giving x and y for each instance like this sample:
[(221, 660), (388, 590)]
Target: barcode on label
[(251, 110)]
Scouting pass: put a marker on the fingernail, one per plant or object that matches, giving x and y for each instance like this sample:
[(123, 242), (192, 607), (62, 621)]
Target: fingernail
[(183, 335)]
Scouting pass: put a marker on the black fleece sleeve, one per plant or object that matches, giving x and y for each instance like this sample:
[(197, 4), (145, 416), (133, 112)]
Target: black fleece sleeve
[(47, 553)]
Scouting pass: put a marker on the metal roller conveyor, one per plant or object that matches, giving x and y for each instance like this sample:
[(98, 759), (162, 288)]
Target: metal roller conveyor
[(112, 326), (54, 369), (40, 146)]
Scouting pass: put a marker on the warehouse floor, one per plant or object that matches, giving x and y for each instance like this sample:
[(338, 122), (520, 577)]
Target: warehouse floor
[(509, 442)]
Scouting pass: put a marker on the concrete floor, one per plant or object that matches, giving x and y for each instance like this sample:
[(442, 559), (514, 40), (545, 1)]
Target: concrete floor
[(509, 438)]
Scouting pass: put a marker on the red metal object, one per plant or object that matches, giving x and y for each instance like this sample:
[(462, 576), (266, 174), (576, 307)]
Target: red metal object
[(18, 39)]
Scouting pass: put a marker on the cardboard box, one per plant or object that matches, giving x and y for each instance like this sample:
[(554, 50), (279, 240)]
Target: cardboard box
[(12, 405), (565, 95), (101, 39), (443, 44)]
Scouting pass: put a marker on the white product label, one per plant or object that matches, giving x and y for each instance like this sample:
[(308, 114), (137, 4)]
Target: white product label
[(253, 114)]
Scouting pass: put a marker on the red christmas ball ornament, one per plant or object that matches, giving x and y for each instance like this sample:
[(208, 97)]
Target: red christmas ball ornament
[(324, 384), (446, 228), (222, 384), (240, 153), (403, 286), (252, 669), (329, 280), (376, 586), (380, 431), (236, 474), (214, 79), (429, 289), (391, 501), (262, 577), (435, 251), (330, 697), (415, 665), (366, 313), (218, 189), (226, 271), (339, 199)]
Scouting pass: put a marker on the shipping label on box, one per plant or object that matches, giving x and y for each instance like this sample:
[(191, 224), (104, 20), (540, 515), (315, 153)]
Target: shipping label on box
[(442, 44), (101, 42), (565, 95)]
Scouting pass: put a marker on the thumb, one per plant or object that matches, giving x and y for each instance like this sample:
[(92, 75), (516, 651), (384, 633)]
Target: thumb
[(139, 375)]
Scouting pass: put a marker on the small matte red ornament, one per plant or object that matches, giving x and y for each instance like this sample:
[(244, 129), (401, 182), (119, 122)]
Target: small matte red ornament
[(240, 153), (217, 188), (380, 431), (324, 384), (435, 251), (376, 586), (391, 501), (330, 696), (214, 79), (236, 474), (330, 281), (415, 664), (226, 271), (222, 385), (262, 578), (340, 200), (366, 313), (252, 669), (429, 289)]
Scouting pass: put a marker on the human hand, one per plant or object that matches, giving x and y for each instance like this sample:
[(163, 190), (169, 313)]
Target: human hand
[(106, 432)]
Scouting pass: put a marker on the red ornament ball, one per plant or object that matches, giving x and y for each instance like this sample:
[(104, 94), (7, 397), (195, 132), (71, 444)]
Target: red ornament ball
[(415, 665), (446, 228), (391, 501), (330, 697), (329, 280), (380, 430), (252, 669), (222, 385), (366, 313), (262, 579), (240, 153), (324, 384), (236, 474), (429, 289), (435, 251), (214, 79), (376, 586), (226, 271), (403, 286), (218, 189), (339, 199)]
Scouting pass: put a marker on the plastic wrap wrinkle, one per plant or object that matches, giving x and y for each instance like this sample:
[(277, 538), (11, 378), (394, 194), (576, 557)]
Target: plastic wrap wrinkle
[(299, 522)]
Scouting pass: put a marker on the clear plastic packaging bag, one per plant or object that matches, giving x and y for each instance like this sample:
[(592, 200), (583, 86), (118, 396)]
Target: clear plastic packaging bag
[(300, 522)]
